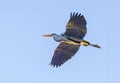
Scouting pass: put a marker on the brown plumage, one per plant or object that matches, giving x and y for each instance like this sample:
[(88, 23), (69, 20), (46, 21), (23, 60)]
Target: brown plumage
[(75, 28), (71, 40), (63, 52)]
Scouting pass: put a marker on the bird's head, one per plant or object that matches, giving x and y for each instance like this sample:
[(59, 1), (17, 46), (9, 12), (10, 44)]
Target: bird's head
[(50, 35)]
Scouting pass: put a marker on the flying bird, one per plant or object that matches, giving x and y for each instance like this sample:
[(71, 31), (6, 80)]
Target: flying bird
[(70, 40)]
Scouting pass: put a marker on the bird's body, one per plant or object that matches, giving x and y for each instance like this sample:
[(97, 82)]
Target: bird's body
[(71, 40)]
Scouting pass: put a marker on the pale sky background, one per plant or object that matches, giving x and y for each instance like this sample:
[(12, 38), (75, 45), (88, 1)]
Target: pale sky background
[(25, 55)]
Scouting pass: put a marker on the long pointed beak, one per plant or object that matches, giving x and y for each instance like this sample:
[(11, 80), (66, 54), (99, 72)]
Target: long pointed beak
[(47, 35)]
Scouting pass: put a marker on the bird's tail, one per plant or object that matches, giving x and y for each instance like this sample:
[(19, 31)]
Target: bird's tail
[(95, 45)]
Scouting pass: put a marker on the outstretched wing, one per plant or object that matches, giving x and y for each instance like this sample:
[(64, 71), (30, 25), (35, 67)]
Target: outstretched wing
[(63, 52), (76, 26)]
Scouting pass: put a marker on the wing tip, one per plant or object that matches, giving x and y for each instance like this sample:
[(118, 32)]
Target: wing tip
[(75, 14), (77, 17), (53, 65), (57, 62)]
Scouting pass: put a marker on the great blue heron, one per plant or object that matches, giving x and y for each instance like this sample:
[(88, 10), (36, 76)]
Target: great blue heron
[(71, 40)]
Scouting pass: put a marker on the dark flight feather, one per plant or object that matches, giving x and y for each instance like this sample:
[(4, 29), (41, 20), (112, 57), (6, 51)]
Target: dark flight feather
[(63, 52), (76, 26)]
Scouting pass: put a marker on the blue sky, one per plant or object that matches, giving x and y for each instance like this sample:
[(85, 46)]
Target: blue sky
[(25, 55)]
